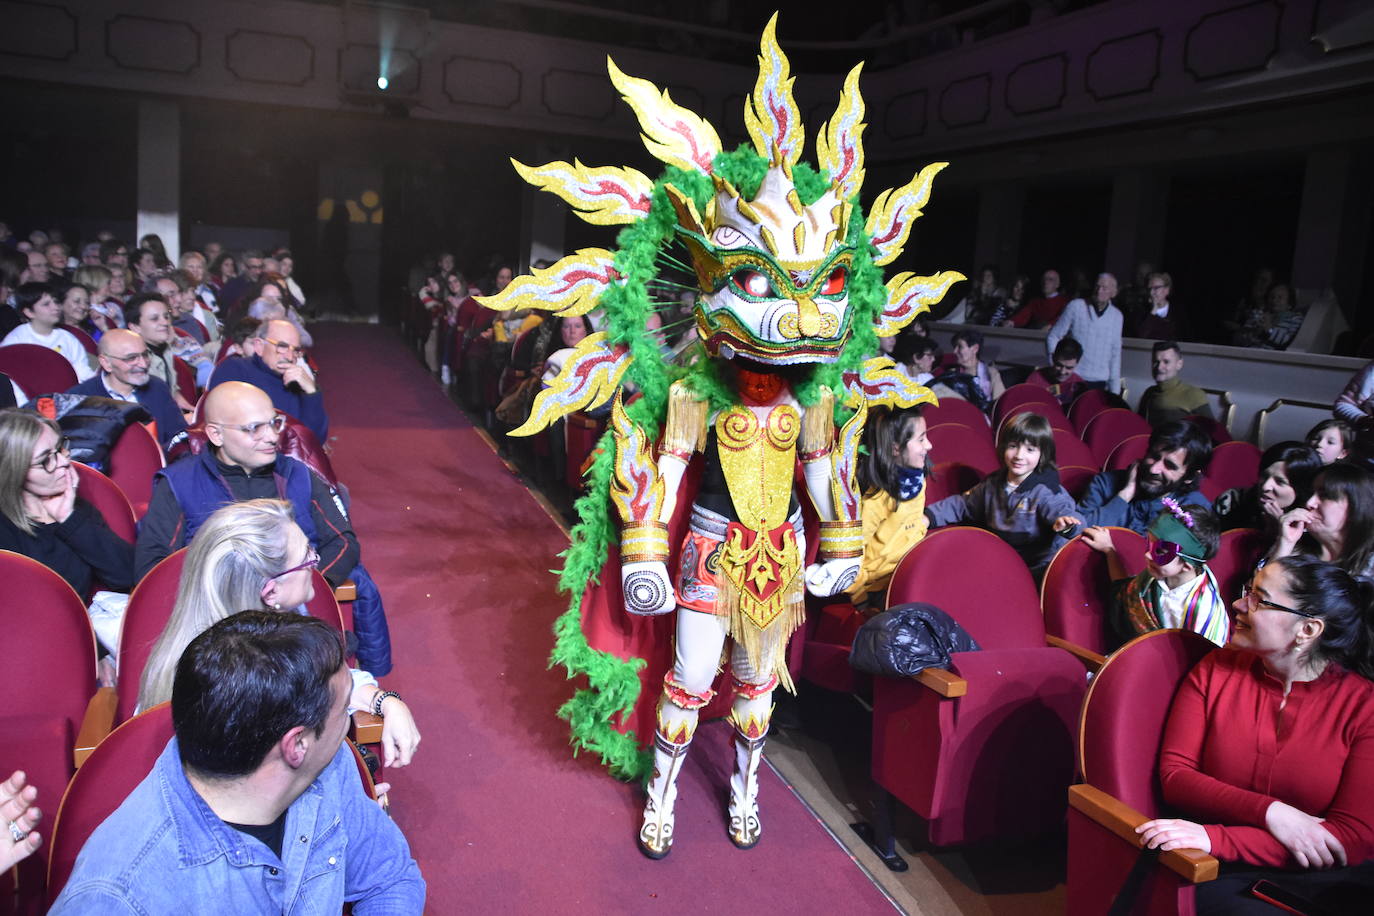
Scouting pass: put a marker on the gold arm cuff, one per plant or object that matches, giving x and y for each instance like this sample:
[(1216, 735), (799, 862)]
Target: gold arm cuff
[(841, 540), (644, 542)]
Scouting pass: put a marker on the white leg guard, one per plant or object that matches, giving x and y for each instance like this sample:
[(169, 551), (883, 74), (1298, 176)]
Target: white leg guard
[(656, 832), (752, 709)]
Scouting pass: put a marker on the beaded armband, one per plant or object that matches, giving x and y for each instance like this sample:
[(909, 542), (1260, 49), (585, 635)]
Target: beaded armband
[(841, 539), (645, 542)]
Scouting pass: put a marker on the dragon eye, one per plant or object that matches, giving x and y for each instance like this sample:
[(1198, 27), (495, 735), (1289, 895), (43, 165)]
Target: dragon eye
[(753, 284), (834, 284)]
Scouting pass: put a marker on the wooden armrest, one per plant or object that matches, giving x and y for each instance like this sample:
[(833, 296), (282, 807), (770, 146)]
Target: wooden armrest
[(1192, 865), (943, 682), (367, 728), (347, 591), (1088, 657), (96, 723)]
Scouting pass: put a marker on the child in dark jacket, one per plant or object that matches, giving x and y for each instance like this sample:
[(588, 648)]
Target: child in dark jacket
[(1023, 503)]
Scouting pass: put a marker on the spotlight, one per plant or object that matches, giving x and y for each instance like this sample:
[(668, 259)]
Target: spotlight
[(382, 83)]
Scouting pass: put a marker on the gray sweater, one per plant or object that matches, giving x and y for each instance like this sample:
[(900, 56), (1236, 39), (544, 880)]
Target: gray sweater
[(1023, 517)]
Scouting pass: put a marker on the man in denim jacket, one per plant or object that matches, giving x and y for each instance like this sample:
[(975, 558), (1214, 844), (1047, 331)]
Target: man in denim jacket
[(255, 806)]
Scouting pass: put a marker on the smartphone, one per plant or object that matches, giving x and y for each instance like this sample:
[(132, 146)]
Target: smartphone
[(1285, 900)]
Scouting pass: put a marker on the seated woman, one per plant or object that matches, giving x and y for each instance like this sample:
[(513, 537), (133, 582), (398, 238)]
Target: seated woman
[(247, 556), (1269, 748), (1176, 589), (1287, 470), (1336, 524), (41, 515), (891, 475), (1023, 503), (1333, 440), (971, 378)]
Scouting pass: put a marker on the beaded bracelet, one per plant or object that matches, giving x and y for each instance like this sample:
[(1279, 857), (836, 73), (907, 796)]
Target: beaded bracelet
[(380, 698)]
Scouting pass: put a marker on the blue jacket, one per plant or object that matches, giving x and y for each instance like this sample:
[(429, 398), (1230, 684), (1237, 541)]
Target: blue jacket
[(200, 490), (1101, 506), (308, 408), (1023, 518), (164, 851), (155, 397)]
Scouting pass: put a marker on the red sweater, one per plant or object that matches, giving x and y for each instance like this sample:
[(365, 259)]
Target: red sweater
[(1229, 751)]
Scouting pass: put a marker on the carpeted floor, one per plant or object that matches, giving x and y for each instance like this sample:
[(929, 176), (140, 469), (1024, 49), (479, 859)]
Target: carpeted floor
[(499, 814)]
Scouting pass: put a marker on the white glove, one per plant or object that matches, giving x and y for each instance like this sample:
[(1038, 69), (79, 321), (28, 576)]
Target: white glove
[(647, 589), (827, 579)]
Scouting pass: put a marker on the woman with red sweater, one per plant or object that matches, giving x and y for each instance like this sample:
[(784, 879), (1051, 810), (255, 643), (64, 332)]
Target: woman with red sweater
[(1270, 745)]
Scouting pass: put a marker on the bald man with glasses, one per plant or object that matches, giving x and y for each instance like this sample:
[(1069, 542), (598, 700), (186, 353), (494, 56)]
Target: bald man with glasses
[(125, 375), (274, 362)]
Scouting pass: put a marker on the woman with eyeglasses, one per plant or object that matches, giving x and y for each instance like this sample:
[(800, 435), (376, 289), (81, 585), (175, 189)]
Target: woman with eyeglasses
[(41, 515), (1336, 524), (247, 556), (1269, 747)]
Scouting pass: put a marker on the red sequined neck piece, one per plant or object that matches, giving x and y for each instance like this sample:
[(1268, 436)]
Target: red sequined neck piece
[(758, 387)]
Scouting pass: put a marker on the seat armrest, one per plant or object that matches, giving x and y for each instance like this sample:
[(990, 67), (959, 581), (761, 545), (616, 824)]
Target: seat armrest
[(96, 724), (1092, 660), (944, 683), (367, 728), (347, 591), (1192, 865)]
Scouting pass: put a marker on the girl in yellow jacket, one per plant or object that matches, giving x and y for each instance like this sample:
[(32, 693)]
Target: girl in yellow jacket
[(891, 474)]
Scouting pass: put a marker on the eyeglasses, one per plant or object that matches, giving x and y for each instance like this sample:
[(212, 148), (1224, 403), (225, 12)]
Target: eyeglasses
[(1153, 288), (1251, 599), (276, 425), (285, 348), (312, 560), (48, 460), (141, 356)]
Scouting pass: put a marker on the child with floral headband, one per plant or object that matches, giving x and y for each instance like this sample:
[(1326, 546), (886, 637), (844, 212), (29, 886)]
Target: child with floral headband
[(1176, 590)]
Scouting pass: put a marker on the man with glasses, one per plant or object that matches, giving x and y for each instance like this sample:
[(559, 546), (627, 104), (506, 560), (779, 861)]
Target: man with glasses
[(125, 375), (1097, 326), (150, 317), (250, 271), (1159, 319), (274, 362), (243, 462)]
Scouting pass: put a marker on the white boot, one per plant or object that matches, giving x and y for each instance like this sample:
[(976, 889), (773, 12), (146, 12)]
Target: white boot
[(745, 828), (656, 833)]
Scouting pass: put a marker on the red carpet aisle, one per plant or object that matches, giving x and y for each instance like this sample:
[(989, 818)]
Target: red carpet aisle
[(499, 814)]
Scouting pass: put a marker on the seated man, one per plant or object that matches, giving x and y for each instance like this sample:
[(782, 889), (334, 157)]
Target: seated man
[(43, 326), (147, 314), (1170, 397), (1044, 311), (1178, 454), (273, 362), (125, 376), (254, 806), (1060, 377), (241, 463)]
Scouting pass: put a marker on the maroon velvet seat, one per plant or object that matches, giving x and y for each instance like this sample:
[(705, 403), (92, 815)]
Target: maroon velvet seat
[(1110, 428), (36, 369), (1074, 592), (86, 340), (108, 499), (955, 410), (1240, 549), (829, 637), (1070, 450), (114, 770), (1088, 405), (1127, 452), (1233, 465), (1212, 427), (962, 443), (580, 435), (185, 380), (134, 459), (1076, 477), (942, 739), (1120, 732), (950, 477), (54, 712), (1026, 395)]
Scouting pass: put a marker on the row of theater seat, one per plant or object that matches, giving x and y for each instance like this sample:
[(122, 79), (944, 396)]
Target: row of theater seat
[(39, 370)]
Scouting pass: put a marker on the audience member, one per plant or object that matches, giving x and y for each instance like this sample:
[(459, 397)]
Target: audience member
[(1355, 404), (125, 376), (105, 311), (1337, 522), (1060, 377), (1044, 311), (18, 811), (1287, 472), (57, 254), (1275, 327), (236, 288), (37, 270), (274, 362), (75, 302), (1009, 306), (1173, 466), (143, 265), (1268, 744), (1170, 397), (1023, 502), (916, 357), (971, 378), (43, 317), (259, 710), (892, 474), (147, 315), (1176, 590), (984, 298), (41, 515), (288, 269), (223, 269), (1097, 327), (1333, 440), (153, 242), (1159, 320)]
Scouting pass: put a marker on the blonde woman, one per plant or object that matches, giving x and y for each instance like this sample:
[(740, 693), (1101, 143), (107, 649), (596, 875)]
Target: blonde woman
[(252, 555)]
